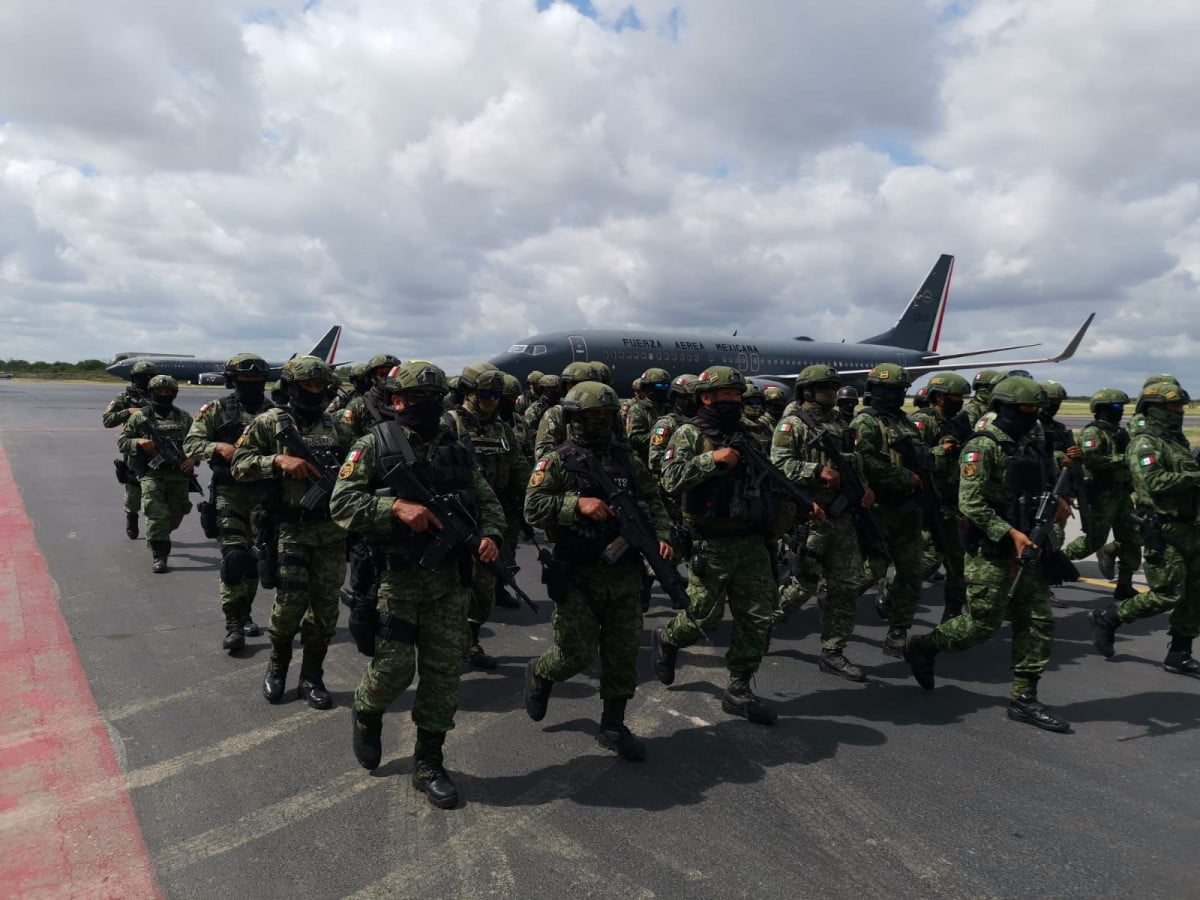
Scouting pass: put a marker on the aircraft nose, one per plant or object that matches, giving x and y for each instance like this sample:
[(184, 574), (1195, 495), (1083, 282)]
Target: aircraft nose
[(117, 369)]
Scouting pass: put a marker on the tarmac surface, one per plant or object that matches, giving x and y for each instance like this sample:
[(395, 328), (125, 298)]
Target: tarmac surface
[(876, 789)]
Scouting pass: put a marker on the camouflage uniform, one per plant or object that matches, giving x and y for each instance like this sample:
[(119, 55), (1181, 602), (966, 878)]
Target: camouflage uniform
[(164, 490), (117, 413), (223, 421), (311, 546), (597, 605), (982, 386), (757, 420), (368, 407)]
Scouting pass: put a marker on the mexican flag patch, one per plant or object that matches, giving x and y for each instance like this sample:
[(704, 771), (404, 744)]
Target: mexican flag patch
[(1148, 460), (541, 465), (785, 427), (973, 456), (661, 430), (353, 456), (1088, 445)]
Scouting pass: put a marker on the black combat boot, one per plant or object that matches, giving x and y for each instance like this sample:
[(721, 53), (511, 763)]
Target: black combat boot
[(272, 686), (1027, 708), (1106, 559), (834, 662), (234, 639), (920, 653), (664, 656), (894, 641), (131, 526), (250, 627), (1124, 589), (537, 692), (1179, 657), (739, 700), (428, 773), (1104, 629), (311, 687), (476, 656), (160, 550), (368, 743), (613, 734)]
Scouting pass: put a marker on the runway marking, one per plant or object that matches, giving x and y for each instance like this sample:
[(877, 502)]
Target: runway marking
[(1100, 582), (67, 826), (208, 685)]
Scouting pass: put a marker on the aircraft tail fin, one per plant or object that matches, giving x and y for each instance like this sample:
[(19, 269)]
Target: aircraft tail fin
[(920, 325), (326, 347)]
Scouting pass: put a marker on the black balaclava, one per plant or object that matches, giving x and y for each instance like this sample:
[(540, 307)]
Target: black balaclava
[(1168, 419), (594, 433), (723, 415), (422, 416), (951, 408), (250, 393), (887, 397), (306, 404), (1013, 422), (658, 396), (1110, 413), (508, 408), (161, 405), (141, 383)]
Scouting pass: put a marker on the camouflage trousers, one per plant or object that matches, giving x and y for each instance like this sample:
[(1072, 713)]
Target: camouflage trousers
[(600, 614), (133, 495), (312, 567), (988, 583), (234, 502), (906, 546), (1174, 578), (952, 559), (164, 503), (1110, 510), (434, 603), (737, 570), (832, 554), (483, 582)]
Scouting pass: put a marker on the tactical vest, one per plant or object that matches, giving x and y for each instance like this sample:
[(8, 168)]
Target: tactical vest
[(447, 470), (1026, 477), (234, 418), (584, 540), (1183, 505), (728, 502), (489, 443), (321, 441)]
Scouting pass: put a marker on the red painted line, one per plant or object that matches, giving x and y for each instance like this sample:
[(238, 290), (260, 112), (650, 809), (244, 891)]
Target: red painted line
[(937, 335), (67, 826)]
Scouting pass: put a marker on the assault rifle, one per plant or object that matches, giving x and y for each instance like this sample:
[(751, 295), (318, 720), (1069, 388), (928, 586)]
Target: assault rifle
[(761, 471), (635, 526), (917, 457), (1057, 567), (168, 452), (325, 461), (459, 529)]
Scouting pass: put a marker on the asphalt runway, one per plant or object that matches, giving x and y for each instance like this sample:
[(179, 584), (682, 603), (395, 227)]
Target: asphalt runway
[(877, 789)]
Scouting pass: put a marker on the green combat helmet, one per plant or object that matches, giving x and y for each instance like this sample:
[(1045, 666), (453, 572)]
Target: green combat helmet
[(417, 375), (1054, 391), (948, 383), (651, 377), (1159, 393), (603, 371), (384, 361), (818, 373), (1162, 376), (164, 383), (591, 395), (534, 377), (141, 373), (774, 395), (308, 368), (716, 377), (245, 364), (1107, 397), (578, 371), (360, 377), (889, 373), (587, 397), (512, 386), (469, 378), (1017, 390), (490, 380), (985, 382), (551, 387)]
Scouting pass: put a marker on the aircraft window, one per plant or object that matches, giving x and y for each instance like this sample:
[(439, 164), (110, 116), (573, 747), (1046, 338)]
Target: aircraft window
[(538, 350), (517, 348)]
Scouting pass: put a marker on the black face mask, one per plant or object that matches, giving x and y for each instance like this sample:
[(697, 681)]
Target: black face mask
[(140, 382), (847, 407), (1052, 410), (723, 415), (162, 406), (951, 408), (508, 408), (1110, 414), (1013, 422), (888, 397), (591, 433), (658, 397), (307, 405), (250, 393), (422, 416), (1167, 419)]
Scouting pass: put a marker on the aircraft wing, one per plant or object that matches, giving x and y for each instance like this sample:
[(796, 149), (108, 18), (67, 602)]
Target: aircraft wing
[(1066, 353), (940, 357)]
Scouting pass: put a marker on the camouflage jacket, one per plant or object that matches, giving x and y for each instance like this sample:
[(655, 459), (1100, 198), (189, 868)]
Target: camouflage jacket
[(982, 493), (499, 453), (875, 435), (934, 427), (1103, 460), (660, 437), (123, 406), (219, 421), (794, 451), (1165, 475), (174, 425), (639, 422), (763, 429), (361, 413)]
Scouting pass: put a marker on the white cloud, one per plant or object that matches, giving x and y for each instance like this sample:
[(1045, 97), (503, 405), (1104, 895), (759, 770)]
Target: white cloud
[(444, 177)]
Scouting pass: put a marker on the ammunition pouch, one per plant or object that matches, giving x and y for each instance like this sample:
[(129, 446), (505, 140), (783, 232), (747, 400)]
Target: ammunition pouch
[(238, 564), (394, 629), (1149, 525), (698, 564), (208, 522), (556, 576), (266, 527), (122, 467), (363, 621)]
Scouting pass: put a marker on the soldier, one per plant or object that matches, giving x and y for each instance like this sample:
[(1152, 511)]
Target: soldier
[(1166, 485), (889, 444), (504, 466), (530, 394), (211, 438), (755, 417), (133, 398), (775, 399), (360, 383), (164, 484), (1102, 443), (847, 403), (921, 399), (944, 431), (549, 394), (511, 417), (831, 548), (370, 407), (654, 387), (422, 611), (982, 386), (311, 547), (551, 430), (597, 608), (682, 395), (996, 470), (734, 526)]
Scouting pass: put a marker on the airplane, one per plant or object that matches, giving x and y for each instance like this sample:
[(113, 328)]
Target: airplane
[(912, 342), (211, 371)]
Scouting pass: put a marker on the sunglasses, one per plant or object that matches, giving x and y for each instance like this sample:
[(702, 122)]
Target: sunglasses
[(488, 395)]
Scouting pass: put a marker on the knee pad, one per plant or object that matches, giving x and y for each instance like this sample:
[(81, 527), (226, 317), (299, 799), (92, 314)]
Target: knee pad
[(238, 563)]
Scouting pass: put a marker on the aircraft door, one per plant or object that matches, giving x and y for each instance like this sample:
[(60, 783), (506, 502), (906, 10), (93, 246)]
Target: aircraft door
[(754, 362), (578, 348), (743, 362)]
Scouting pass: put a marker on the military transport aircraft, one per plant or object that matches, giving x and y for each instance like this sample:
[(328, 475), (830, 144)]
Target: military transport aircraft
[(209, 371), (912, 342)]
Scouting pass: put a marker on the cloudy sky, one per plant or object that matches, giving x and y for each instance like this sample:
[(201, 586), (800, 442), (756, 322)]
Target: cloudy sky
[(444, 177)]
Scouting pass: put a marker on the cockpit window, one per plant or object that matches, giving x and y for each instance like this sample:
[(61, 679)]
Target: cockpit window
[(538, 350), (528, 349), (517, 348)]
